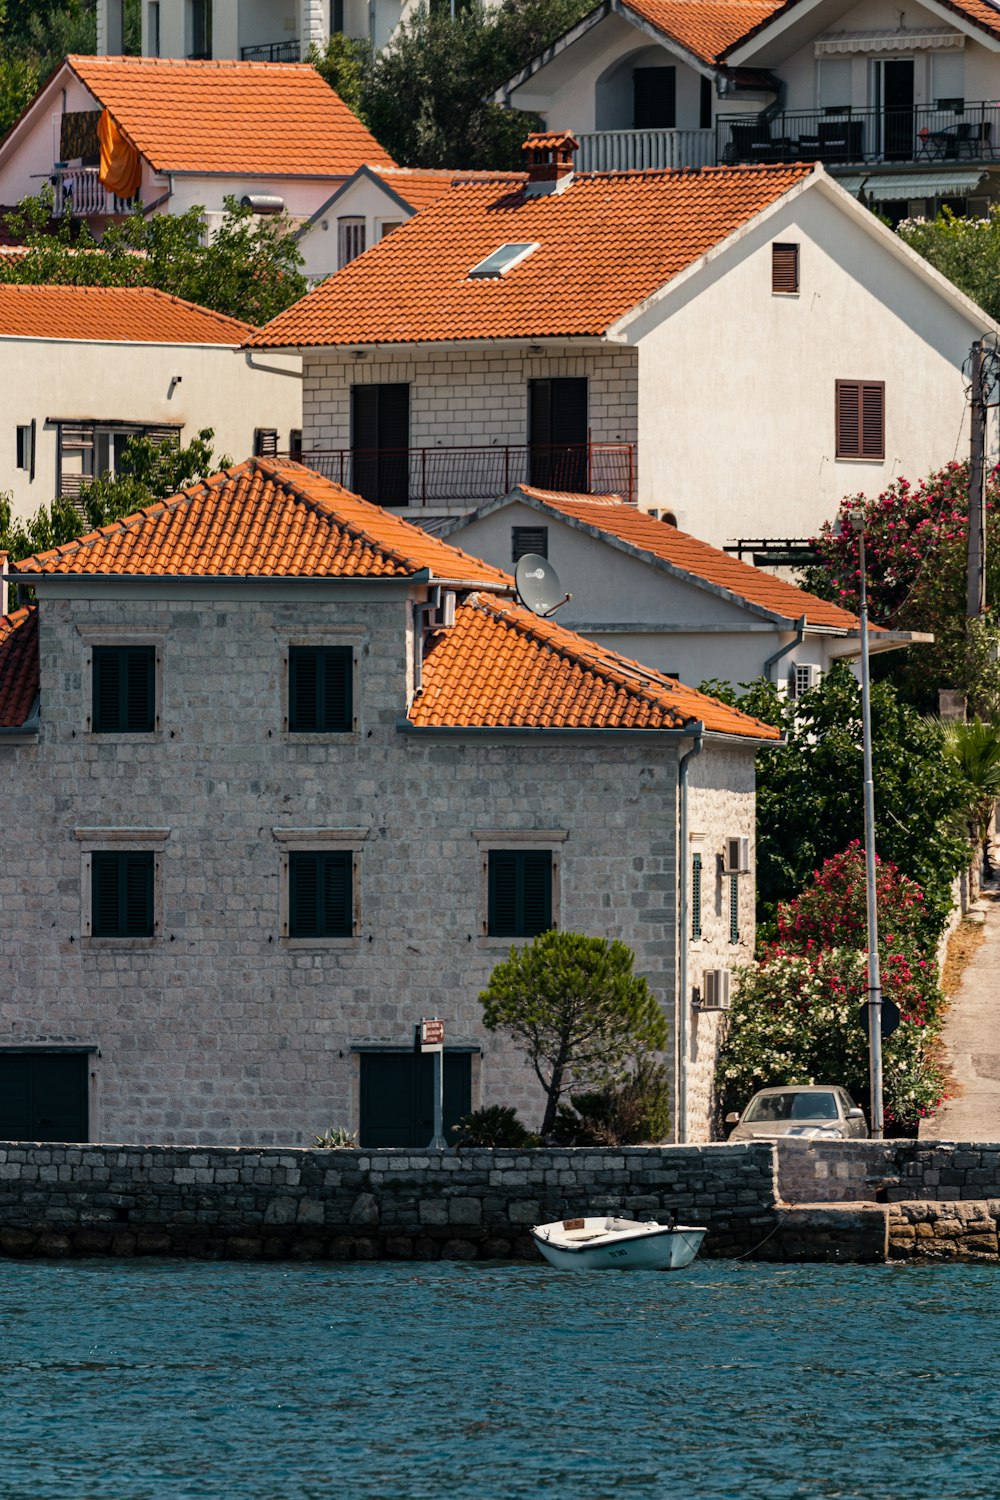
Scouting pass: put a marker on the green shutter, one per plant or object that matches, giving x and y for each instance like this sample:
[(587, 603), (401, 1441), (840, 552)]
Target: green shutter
[(536, 887), (696, 897), (320, 894), (104, 875), (502, 903), (520, 892), (124, 690), (320, 698), (734, 908), (121, 893), (338, 915), (137, 894), (303, 895)]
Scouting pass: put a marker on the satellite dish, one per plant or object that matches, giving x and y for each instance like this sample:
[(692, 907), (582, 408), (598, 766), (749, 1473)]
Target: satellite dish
[(537, 584)]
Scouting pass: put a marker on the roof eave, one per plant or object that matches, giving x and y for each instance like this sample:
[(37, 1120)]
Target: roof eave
[(509, 731), (27, 732)]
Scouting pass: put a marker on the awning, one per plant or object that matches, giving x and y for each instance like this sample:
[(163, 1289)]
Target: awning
[(944, 184), (915, 39)]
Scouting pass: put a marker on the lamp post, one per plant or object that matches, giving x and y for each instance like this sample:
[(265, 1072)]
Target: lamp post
[(857, 523)]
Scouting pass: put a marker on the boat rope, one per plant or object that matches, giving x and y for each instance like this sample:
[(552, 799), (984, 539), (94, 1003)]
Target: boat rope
[(747, 1253)]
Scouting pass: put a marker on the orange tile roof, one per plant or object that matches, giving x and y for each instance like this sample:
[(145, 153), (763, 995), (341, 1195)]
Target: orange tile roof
[(265, 519), (705, 27), (269, 119), (980, 12), (115, 314), (18, 666), (605, 243), (500, 666), (697, 558), (420, 187)]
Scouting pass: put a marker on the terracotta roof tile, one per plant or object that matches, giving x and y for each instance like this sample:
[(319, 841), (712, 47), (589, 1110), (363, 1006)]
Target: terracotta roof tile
[(135, 315), (605, 243), (265, 519), (18, 666), (980, 12), (269, 119), (420, 187), (501, 667), (704, 27), (697, 558)]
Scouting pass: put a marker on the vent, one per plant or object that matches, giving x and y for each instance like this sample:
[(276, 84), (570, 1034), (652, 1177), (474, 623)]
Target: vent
[(528, 539), (501, 261), (265, 442), (784, 269), (736, 859), (803, 676), (715, 989)]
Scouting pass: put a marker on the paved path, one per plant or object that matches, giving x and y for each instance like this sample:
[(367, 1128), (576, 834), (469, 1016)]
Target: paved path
[(972, 1038)]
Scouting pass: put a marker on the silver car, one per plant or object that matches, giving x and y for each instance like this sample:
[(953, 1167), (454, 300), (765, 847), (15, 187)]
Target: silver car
[(818, 1111)]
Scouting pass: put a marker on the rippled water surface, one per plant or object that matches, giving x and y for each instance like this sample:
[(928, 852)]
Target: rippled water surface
[(150, 1379)]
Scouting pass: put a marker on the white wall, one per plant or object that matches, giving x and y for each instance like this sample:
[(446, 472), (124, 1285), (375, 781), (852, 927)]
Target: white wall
[(26, 168), (48, 380), (364, 199)]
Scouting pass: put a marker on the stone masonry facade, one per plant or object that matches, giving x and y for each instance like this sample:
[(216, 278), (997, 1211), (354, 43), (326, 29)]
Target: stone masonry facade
[(219, 1030)]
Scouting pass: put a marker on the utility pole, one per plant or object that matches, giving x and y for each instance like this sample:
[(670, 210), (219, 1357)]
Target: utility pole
[(976, 580), (874, 970)]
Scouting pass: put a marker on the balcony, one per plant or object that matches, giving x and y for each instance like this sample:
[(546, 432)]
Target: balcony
[(276, 52), (80, 192), (449, 478), (645, 150), (922, 134)]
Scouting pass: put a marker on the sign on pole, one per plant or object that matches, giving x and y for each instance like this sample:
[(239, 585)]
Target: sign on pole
[(889, 1015), (431, 1036)]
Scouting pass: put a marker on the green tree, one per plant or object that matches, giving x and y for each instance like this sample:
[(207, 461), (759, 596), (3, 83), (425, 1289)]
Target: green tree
[(967, 251), (975, 748), (573, 1004)]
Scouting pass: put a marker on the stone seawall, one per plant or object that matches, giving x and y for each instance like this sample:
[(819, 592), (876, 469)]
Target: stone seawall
[(233, 1202), (887, 1171)]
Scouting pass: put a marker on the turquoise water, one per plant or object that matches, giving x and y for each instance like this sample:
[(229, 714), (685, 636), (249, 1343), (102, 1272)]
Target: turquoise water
[(142, 1380)]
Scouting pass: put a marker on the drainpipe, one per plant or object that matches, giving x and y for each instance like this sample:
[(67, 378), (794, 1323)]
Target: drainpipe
[(682, 1008), (772, 661)]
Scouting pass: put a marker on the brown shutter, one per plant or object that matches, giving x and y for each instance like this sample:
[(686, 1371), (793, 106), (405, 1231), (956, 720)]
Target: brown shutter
[(784, 268), (76, 442), (848, 419), (860, 418), (265, 442), (873, 419)]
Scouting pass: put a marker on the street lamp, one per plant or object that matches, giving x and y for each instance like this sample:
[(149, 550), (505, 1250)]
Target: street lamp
[(856, 521)]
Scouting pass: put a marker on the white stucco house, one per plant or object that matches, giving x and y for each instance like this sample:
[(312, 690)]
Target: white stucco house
[(902, 106), (86, 368), (201, 944), (105, 132), (279, 31), (740, 347), (665, 598)]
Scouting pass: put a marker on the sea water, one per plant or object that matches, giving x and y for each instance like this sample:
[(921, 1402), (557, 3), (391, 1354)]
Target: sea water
[(141, 1380)]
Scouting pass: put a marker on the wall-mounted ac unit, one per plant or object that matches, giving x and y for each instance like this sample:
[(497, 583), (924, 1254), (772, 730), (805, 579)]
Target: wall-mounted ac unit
[(803, 676), (715, 989), (736, 858)]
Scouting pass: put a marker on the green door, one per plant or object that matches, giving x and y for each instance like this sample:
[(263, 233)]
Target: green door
[(397, 1096), (43, 1096)]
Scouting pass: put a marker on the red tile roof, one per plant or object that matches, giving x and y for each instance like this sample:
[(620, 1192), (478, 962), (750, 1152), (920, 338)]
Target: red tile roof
[(115, 314), (704, 27), (269, 119), (420, 187), (979, 12), (605, 243), (265, 519), (500, 666), (18, 666), (697, 558)]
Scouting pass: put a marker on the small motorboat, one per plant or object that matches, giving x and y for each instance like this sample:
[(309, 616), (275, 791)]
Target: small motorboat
[(598, 1244)]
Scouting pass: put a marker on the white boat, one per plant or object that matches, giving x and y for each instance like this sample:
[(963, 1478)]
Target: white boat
[(597, 1244)]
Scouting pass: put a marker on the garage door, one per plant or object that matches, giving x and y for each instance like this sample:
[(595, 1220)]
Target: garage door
[(397, 1096), (43, 1096)]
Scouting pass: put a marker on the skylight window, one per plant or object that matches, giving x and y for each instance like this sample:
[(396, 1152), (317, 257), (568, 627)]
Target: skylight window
[(501, 261)]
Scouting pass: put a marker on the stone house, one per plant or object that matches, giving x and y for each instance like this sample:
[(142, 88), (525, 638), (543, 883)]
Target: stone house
[(902, 106), (738, 346), (106, 132), (693, 611), (286, 774), (86, 368)]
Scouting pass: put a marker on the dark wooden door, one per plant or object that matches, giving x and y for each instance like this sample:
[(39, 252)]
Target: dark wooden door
[(557, 433), (380, 438), (898, 85), (397, 1096), (43, 1096), (654, 96)]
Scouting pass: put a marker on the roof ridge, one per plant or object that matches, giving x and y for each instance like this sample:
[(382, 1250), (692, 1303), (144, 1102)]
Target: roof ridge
[(72, 289)]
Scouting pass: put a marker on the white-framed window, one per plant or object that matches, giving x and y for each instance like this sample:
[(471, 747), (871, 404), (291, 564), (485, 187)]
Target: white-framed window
[(386, 226), (350, 240), (320, 886), (803, 676)]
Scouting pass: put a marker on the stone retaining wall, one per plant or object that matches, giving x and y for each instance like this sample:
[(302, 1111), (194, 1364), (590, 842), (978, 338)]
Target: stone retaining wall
[(135, 1200), (887, 1171), (945, 1231)]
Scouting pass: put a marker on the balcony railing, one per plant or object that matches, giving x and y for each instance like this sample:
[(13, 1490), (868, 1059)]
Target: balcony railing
[(962, 131), (80, 191), (422, 477), (277, 52), (645, 150)]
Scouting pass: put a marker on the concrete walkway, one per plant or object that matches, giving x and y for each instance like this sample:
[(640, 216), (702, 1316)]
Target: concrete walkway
[(972, 1040)]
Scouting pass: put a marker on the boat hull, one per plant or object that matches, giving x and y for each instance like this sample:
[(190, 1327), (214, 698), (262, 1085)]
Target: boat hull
[(640, 1247)]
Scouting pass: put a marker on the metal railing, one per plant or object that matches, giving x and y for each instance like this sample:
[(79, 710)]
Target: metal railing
[(645, 150), (951, 130), (80, 191), (276, 52), (452, 476)]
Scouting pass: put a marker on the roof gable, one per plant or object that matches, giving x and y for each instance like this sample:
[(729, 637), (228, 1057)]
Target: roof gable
[(269, 119), (110, 314), (606, 243), (973, 15), (19, 675)]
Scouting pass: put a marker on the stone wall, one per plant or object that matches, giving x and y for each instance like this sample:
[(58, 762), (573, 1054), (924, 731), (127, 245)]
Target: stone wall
[(887, 1171), (129, 1200)]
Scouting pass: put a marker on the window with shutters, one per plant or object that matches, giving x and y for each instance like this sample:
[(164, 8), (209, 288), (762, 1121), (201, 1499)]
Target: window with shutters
[(350, 240), (121, 891), (860, 419), (85, 450), (696, 897), (528, 539), (123, 692), (320, 689), (784, 269), (520, 892), (321, 893), (558, 434)]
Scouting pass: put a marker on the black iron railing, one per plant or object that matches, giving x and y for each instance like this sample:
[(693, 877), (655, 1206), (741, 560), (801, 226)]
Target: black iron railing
[(276, 52), (952, 130), (452, 476)]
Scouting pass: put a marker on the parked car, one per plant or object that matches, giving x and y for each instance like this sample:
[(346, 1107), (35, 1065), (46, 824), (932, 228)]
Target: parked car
[(822, 1111)]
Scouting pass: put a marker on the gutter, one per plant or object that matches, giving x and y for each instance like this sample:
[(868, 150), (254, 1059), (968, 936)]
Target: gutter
[(775, 657), (534, 731), (682, 1004), (29, 729), (270, 369)]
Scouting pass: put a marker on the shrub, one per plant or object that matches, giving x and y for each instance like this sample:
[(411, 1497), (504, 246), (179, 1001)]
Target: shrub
[(494, 1125), (337, 1138), (633, 1112)]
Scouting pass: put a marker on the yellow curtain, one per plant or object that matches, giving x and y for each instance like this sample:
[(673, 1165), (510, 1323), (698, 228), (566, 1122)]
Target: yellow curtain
[(121, 166)]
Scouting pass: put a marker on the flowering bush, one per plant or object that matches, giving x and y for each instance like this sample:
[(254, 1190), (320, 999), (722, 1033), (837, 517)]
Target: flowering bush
[(832, 911), (967, 251)]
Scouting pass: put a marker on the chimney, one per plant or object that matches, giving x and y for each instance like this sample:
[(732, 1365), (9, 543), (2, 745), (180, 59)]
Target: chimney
[(548, 160)]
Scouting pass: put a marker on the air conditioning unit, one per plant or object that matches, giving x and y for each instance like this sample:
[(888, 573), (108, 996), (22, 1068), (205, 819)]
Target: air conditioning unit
[(715, 989), (803, 676), (736, 859)]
